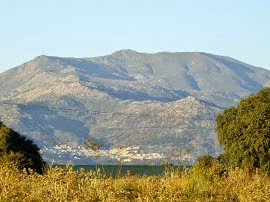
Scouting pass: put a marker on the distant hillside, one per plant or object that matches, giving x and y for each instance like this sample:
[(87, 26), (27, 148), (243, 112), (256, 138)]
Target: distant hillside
[(156, 101)]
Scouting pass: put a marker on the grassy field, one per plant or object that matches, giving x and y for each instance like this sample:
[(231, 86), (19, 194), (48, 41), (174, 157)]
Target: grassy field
[(191, 184)]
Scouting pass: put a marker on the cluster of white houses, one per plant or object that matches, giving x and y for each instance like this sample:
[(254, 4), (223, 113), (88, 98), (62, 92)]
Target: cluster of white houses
[(121, 154)]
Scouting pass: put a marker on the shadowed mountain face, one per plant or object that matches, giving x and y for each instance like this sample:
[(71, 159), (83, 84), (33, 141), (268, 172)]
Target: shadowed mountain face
[(165, 100)]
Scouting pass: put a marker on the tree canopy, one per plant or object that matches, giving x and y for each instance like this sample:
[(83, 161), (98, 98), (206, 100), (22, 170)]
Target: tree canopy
[(17, 149), (244, 132)]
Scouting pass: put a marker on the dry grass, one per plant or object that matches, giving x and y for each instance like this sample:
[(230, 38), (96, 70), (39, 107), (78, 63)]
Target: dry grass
[(59, 184)]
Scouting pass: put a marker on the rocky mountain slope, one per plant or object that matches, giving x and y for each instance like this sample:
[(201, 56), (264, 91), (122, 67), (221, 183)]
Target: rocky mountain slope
[(158, 101)]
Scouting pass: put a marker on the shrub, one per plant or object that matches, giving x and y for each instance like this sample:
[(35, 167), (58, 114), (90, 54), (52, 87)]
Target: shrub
[(244, 132), (16, 149)]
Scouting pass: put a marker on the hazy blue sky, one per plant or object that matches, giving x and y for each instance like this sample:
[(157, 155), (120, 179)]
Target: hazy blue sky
[(85, 28)]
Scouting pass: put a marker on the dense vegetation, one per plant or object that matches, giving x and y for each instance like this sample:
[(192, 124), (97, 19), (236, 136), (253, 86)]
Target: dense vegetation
[(244, 131), (16, 149)]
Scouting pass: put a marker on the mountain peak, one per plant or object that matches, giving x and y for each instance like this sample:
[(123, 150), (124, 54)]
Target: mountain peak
[(40, 57), (158, 101), (126, 53)]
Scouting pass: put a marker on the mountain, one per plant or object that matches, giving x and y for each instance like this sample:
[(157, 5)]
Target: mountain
[(160, 102)]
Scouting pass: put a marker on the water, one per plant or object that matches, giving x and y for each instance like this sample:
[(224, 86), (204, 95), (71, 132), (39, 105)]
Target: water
[(120, 170)]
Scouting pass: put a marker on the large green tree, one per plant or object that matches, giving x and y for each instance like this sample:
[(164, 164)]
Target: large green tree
[(18, 150), (244, 132)]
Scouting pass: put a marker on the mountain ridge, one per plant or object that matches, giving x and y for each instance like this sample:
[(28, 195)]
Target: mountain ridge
[(198, 84)]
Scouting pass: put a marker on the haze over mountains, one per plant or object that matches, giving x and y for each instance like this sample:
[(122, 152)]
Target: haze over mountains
[(158, 101)]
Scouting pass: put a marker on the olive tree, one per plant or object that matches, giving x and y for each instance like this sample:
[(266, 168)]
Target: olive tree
[(244, 132)]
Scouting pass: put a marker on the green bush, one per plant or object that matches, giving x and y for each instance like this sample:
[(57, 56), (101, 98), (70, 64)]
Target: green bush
[(16, 149), (244, 132), (209, 168)]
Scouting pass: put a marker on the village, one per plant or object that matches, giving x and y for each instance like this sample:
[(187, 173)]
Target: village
[(125, 155)]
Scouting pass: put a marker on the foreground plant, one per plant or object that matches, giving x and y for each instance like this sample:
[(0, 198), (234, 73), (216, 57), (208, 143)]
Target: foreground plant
[(17, 150), (58, 184), (244, 132)]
